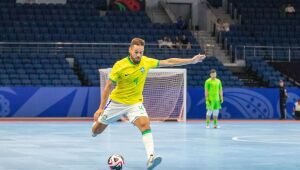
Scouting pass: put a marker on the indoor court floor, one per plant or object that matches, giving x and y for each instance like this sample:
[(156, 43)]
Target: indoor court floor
[(237, 145)]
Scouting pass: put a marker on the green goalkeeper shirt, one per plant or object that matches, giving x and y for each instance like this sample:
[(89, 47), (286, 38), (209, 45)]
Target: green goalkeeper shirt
[(213, 87)]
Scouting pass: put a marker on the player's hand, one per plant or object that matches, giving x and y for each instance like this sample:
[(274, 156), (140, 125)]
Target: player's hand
[(97, 114), (221, 100), (207, 102), (198, 58)]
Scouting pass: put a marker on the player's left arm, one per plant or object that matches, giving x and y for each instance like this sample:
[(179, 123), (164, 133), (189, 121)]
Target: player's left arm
[(221, 92), (221, 96), (181, 61)]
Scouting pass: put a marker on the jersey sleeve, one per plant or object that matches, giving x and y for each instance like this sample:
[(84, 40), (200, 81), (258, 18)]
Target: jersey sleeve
[(114, 74), (220, 85), (206, 85), (151, 62)]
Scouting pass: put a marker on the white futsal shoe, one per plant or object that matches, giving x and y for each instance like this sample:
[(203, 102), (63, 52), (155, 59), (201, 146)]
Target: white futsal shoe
[(153, 161)]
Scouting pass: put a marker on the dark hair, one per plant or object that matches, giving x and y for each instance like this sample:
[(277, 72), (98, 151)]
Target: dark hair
[(137, 41), (213, 71)]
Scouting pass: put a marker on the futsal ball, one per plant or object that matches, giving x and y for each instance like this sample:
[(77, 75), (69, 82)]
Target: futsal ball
[(115, 162)]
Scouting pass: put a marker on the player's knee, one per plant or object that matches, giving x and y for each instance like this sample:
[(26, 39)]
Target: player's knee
[(144, 126), (98, 128), (94, 129)]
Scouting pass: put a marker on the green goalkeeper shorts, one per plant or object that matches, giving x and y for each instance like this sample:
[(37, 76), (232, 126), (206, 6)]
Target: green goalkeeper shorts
[(213, 105)]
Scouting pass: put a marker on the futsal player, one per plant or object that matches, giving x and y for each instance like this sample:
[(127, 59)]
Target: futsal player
[(213, 98), (129, 75)]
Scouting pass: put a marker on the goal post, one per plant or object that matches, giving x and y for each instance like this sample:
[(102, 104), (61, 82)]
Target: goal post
[(164, 93)]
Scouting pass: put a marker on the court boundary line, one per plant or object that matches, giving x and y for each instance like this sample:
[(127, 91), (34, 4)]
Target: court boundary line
[(263, 137), (46, 119), (89, 119)]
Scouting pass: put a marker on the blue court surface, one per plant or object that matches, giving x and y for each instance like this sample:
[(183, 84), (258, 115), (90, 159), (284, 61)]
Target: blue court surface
[(238, 145)]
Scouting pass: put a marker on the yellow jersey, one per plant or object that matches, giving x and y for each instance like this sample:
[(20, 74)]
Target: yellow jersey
[(130, 79)]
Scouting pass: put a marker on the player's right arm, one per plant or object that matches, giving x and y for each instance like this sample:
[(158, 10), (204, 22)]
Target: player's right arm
[(206, 95), (206, 91), (113, 79), (105, 94)]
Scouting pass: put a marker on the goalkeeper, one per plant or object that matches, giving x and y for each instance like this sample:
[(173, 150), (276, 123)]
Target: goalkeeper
[(129, 75), (213, 98)]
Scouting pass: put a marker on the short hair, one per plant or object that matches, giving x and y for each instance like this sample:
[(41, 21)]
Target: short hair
[(137, 41), (213, 71)]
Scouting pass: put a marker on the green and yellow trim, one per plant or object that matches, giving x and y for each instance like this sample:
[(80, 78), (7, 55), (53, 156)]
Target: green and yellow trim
[(115, 82), (157, 65), (130, 60)]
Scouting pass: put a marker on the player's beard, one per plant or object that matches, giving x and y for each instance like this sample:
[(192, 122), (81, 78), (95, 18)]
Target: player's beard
[(136, 61)]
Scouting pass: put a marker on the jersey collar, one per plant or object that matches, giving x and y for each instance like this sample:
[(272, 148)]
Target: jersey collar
[(131, 62)]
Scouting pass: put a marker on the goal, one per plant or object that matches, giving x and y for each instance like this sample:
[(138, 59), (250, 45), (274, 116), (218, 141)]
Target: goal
[(164, 93)]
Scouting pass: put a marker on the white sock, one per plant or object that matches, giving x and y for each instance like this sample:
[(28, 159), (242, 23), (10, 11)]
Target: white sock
[(209, 113), (148, 142), (216, 113)]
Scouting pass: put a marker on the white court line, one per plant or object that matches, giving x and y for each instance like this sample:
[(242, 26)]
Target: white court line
[(263, 138)]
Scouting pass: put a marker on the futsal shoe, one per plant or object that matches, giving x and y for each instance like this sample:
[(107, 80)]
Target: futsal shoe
[(216, 127), (207, 127), (153, 161)]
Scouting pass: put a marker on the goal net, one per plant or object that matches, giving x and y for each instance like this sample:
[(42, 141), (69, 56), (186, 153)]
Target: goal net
[(164, 93)]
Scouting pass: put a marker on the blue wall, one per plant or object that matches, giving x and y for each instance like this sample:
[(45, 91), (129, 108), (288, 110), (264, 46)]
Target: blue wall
[(48, 101), (239, 103)]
